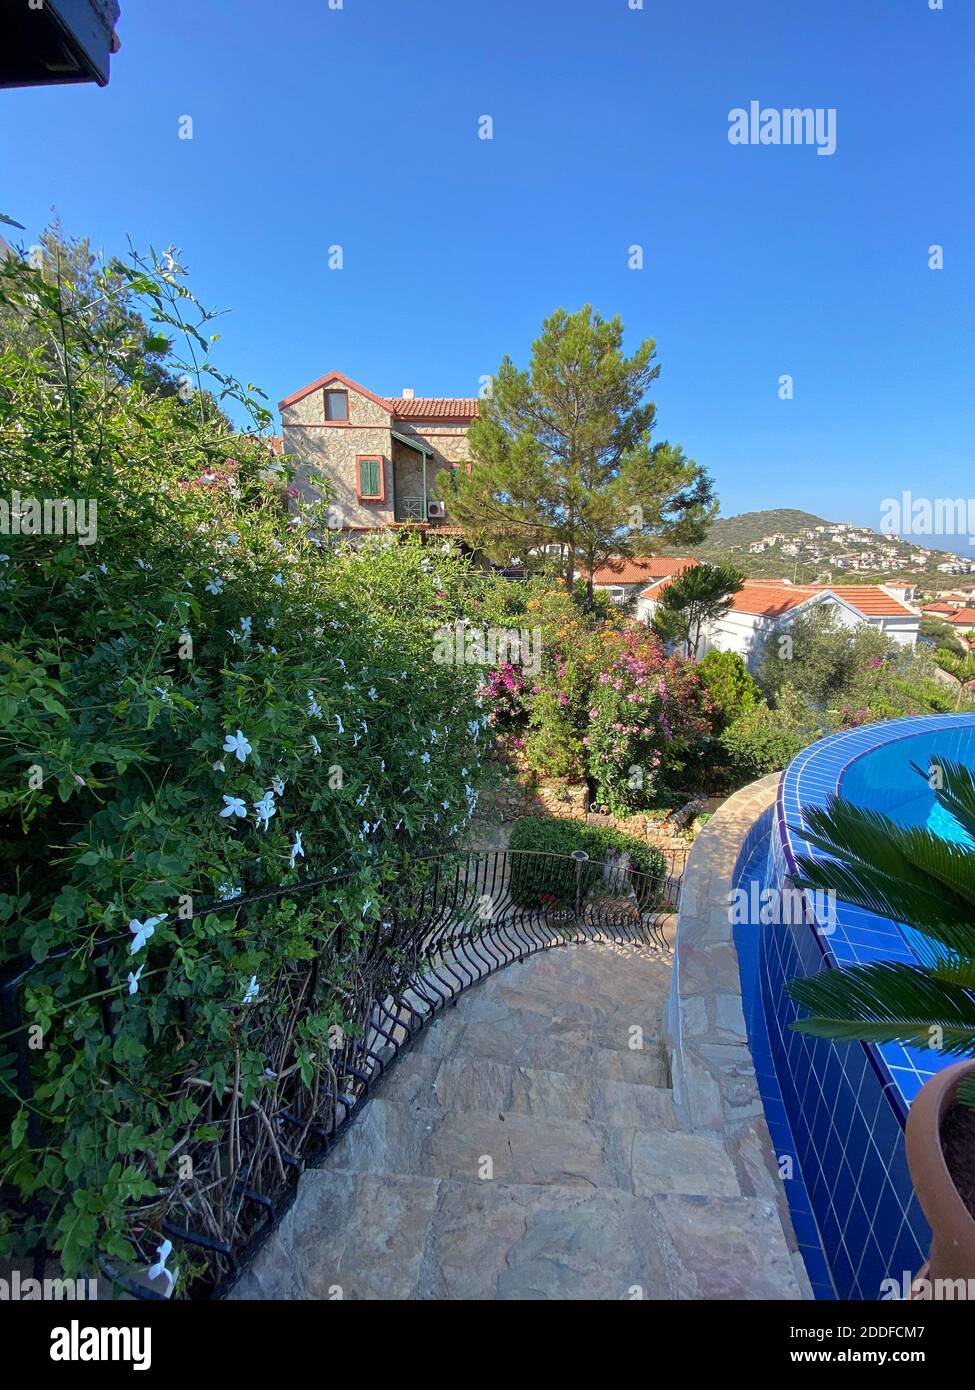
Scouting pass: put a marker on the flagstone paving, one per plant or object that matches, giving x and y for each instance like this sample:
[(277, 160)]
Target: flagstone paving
[(528, 1147)]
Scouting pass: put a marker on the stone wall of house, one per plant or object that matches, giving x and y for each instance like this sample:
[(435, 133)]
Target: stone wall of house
[(328, 454)]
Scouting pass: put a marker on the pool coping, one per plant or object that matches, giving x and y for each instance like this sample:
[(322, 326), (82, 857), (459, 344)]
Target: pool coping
[(712, 1071)]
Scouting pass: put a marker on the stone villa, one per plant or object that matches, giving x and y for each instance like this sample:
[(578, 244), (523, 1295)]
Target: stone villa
[(380, 454)]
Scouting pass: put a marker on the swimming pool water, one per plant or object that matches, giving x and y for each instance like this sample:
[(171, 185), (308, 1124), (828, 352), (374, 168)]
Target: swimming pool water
[(886, 779)]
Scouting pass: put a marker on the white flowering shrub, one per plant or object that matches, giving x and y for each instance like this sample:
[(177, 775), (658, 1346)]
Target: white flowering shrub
[(211, 699)]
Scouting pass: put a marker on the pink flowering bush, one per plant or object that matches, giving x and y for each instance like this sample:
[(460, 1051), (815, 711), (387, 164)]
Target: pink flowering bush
[(650, 718)]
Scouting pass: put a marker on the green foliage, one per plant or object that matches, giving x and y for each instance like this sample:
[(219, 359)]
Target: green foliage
[(562, 454), (208, 607), (732, 690), (763, 740), (822, 659), (538, 884), (699, 595), (945, 639), (852, 675), (907, 875)]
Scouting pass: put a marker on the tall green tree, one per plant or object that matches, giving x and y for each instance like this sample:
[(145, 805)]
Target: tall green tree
[(697, 596), (562, 455)]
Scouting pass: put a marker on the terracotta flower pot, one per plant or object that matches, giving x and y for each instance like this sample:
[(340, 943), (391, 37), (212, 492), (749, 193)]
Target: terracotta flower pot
[(952, 1226)]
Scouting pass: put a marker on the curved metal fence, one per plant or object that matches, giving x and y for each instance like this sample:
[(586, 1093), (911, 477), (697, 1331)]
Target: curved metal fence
[(458, 920)]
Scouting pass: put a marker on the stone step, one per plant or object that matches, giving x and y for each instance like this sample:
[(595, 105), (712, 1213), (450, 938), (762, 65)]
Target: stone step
[(411, 1136), (365, 1236), (463, 1083), (564, 1043)]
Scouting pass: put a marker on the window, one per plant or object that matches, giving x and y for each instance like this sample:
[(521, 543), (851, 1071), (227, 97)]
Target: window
[(336, 405), (370, 483)]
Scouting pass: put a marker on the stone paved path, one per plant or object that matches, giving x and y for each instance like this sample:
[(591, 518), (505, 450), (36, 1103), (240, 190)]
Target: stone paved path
[(526, 1149)]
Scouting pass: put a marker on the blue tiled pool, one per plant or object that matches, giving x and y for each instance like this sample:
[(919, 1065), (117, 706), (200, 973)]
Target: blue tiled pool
[(838, 1110)]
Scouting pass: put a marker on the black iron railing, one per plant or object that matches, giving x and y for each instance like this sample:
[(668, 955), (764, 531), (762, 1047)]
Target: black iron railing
[(459, 920)]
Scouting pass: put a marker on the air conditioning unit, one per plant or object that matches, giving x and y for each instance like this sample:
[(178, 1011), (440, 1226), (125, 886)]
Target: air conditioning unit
[(435, 511)]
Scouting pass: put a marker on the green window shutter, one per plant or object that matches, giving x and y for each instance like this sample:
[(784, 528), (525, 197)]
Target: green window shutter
[(369, 480)]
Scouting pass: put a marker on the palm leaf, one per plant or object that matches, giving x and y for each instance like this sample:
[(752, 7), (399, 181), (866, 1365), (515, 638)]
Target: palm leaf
[(956, 792), (887, 1001), (938, 918)]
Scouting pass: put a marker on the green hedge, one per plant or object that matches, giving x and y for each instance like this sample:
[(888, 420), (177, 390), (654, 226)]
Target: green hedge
[(553, 883)]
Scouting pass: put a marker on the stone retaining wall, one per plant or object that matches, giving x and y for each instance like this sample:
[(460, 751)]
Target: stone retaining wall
[(713, 1076)]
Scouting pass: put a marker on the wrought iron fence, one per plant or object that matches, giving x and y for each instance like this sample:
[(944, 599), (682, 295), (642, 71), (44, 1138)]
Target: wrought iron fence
[(459, 920)]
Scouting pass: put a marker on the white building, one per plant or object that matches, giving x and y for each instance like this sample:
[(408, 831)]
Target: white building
[(764, 605)]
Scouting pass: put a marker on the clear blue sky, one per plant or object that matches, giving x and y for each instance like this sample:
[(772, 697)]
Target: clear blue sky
[(359, 127)]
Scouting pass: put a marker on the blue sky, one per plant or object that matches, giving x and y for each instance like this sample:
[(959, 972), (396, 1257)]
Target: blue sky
[(358, 126)]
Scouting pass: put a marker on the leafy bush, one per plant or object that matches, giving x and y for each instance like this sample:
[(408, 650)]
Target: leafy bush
[(554, 885), (764, 740), (732, 690), (208, 702)]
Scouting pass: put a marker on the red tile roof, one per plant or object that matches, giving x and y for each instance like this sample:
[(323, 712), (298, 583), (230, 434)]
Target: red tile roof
[(433, 407), (938, 608), (771, 598), (400, 407), (964, 617), (642, 569), (871, 600)]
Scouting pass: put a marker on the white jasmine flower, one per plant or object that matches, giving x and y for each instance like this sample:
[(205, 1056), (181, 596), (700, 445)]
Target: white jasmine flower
[(214, 585), (252, 991), (238, 745), (133, 980), (228, 892), (338, 720), (141, 932), (424, 757), (234, 806), (316, 747), (296, 850), (314, 708), (277, 579), (265, 809), (163, 1253), (278, 784)]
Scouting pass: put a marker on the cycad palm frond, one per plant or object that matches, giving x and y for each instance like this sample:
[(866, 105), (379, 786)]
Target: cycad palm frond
[(954, 786), (913, 876), (888, 1001)]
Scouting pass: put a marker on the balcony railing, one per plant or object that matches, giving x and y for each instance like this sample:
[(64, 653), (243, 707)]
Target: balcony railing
[(410, 509), (460, 919)]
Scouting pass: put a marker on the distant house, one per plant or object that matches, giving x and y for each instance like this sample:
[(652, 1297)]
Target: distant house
[(906, 593), (379, 455), (623, 578), (764, 605), (962, 621)]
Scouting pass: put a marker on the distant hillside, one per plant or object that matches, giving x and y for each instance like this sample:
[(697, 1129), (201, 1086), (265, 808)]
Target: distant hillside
[(731, 531), (785, 543)]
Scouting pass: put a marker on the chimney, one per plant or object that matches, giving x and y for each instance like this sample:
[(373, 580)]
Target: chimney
[(408, 393)]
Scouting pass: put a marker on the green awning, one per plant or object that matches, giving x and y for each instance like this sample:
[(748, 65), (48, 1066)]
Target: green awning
[(413, 443)]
